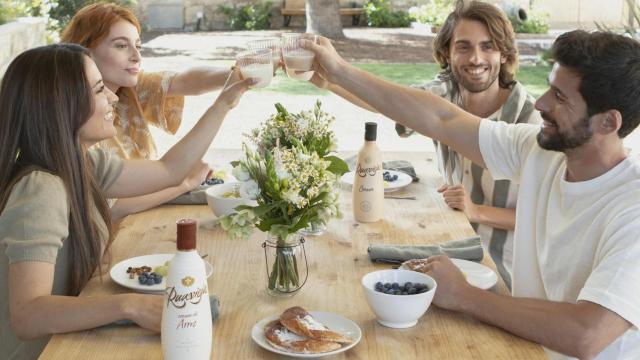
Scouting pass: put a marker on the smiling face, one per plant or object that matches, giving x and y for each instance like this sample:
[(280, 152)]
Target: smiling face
[(118, 56), (99, 126), (566, 123), (475, 63)]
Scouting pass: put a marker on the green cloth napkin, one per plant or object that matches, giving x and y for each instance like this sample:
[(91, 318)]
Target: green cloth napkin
[(466, 249), (214, 301)]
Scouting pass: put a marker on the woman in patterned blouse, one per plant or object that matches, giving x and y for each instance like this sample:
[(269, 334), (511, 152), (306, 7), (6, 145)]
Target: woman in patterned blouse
[(112, 34)]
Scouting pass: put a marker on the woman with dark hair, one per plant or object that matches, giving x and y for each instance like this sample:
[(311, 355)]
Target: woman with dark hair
[(112, 34), (54, 219)]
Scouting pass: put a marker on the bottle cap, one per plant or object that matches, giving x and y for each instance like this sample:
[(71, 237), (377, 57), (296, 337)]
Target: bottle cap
[(370, 131), (186, 234)]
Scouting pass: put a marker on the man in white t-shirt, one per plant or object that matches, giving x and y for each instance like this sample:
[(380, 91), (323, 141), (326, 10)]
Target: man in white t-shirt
[(576, 274)]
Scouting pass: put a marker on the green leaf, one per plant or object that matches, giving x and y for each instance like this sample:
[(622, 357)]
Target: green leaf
[(337, 166)]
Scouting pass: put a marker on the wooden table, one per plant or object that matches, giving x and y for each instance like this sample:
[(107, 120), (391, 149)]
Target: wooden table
[(337, 261)]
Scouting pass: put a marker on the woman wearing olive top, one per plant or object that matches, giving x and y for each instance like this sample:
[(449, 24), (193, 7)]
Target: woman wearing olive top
[(54, 219)]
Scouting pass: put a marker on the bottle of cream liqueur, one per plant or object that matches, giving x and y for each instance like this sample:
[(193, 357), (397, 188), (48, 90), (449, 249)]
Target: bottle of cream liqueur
[(368, 186), (186, 317)]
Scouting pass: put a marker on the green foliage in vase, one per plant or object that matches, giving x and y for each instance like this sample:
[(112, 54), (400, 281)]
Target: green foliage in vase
[(291, 174)]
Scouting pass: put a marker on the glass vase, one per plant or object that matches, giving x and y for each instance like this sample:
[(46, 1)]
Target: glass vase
[(286, 263), (314, 229)]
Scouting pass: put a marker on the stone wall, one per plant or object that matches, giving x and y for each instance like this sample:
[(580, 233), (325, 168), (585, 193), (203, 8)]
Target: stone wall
[(18, 36)]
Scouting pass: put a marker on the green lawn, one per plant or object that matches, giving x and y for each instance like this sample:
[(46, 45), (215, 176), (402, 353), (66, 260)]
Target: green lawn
[(533, 77)]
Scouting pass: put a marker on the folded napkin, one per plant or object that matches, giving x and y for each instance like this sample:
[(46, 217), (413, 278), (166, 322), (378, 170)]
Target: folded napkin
[(466, 249), (214, 301), (402, 166), (196, 196)]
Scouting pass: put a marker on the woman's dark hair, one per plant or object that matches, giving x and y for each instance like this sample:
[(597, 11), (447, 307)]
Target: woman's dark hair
[(500, 30), (45, 98), (609, 68)]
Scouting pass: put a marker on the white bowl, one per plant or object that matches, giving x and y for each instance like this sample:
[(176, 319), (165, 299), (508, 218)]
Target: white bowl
[(398, 311), (222, 206)]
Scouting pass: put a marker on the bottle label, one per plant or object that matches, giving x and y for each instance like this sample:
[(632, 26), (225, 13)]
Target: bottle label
[(368, 171), (180, 299)]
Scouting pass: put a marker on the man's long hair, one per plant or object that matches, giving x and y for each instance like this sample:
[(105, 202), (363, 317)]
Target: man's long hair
[(500, 31)]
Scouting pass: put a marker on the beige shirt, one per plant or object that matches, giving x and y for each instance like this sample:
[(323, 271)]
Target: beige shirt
[(34, 225), (137, 108)]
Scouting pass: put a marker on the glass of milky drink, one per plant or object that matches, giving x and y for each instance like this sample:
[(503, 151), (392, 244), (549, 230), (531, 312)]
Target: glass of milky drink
[(298, 62), (272, 43), (256, 64)]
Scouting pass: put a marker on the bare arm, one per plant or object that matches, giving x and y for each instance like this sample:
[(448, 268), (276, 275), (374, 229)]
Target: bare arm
[(581, 330), (500, 218), (321, 83), (198, 80), (426, 113), (174, 166), (127, 206), (34, 312)]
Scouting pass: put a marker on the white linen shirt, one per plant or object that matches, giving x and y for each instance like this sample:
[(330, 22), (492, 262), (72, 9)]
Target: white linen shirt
[(573, 240)]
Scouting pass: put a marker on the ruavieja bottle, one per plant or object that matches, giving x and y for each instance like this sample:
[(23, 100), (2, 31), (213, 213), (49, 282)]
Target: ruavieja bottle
[(368, 185), (187, 331)]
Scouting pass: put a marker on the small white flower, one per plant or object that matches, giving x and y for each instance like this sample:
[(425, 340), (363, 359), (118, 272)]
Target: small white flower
[(249, 190), (281, 172), (241, 173), (292, 196)]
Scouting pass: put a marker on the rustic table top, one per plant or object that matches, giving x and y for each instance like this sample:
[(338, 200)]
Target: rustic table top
[(337, 261)]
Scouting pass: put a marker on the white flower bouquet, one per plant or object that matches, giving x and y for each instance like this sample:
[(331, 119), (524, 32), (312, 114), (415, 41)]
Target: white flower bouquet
[(293, 178)]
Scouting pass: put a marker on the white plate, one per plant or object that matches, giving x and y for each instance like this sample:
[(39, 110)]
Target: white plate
[(402, 181), (477, 275), (119, 274), (333, 321)]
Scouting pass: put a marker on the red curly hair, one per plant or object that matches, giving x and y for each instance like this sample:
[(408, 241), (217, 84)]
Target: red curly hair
[(92, 23)]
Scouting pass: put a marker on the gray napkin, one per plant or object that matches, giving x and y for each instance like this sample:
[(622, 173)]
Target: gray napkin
[(402, 166), (214, 301), (196, 196), (466, 249)]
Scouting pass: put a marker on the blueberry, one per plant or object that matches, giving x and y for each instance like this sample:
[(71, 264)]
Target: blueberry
[(423, 290), (142, 280), (213, 181), (387, 285), (408, 284), (150, 281), (157, 279), (412, 291), (402, 288), (397, 292), (395, 286)]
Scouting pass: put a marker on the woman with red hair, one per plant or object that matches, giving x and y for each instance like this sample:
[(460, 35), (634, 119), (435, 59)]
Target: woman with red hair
[(112, 34)]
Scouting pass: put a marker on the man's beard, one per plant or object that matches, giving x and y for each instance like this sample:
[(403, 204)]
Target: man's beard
[(577, 136), (475, 87)]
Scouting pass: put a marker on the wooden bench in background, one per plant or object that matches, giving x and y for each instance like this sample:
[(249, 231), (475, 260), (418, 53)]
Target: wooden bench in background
[(297, 8)]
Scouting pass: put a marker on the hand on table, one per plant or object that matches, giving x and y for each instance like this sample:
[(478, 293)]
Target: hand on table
[(452, 284), (146, 310), (456, 197)]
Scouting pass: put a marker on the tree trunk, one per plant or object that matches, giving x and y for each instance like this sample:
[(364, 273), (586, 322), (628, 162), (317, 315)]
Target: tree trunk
[(323, 18)]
